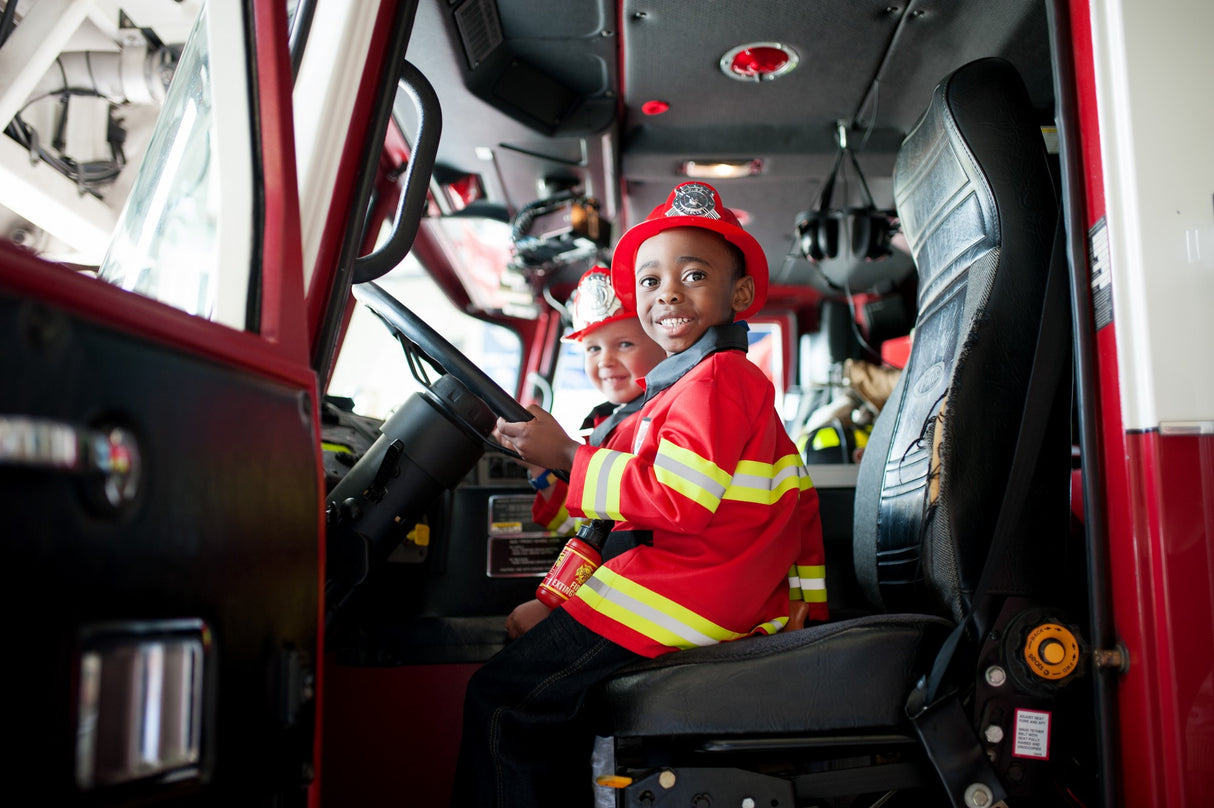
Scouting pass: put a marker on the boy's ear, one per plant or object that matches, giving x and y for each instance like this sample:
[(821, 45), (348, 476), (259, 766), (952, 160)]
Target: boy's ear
[(743, 293)]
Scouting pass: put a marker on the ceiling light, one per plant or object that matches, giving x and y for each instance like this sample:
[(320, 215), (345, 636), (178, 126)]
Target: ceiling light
[(721, 169), (759, 61)]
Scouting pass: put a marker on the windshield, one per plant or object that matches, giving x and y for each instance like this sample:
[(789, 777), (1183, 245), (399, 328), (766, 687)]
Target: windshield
[(372, 370)]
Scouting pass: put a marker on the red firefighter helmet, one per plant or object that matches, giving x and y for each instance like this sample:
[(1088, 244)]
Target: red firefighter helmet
[(691, 204)]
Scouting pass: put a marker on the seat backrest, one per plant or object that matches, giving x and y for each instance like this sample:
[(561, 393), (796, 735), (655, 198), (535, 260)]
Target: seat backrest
[(978, 208)]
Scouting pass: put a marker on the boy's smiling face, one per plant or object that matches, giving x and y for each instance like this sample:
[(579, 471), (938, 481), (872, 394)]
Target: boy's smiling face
[(688, 280), (617, 354)]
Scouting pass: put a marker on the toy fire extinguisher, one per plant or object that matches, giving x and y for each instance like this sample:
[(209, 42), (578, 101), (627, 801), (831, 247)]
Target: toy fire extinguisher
[(578, 560)]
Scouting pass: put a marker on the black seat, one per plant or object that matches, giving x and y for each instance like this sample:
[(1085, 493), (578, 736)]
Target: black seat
[(975, 198)]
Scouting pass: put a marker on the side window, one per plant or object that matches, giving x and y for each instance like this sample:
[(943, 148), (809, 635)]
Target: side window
[(187, 234), (767, 351), (371, 368), (572, 393)]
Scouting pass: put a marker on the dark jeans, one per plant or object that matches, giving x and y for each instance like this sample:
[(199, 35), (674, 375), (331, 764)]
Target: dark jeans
[(525, 741)]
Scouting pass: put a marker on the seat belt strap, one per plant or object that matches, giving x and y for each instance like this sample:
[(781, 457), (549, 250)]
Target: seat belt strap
[(936, 712)]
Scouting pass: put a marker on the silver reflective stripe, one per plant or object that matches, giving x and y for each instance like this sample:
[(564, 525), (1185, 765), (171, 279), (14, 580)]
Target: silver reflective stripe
[(686, 472), (602, 485), (766, 483), (636, 607), (796, 470), (752, 481), (773, 626)]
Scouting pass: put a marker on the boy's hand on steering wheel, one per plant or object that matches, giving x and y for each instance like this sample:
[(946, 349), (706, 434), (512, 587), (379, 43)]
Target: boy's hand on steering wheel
[(541, 441)]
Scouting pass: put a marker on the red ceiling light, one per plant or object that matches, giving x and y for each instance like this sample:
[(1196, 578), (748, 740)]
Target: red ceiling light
[(759, 61), (654, 107)]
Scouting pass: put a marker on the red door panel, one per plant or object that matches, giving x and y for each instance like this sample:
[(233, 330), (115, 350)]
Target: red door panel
[(220, 533)]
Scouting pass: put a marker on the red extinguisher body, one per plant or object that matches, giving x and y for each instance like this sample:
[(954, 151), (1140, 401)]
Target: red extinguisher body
[(578, 560)]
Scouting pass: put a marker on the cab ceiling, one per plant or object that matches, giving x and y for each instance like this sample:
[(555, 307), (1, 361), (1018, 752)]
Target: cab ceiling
[(557, 90)]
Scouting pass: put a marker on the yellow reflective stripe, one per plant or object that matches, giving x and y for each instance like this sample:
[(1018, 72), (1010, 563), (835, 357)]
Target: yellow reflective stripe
[(794, 583), (601, 489), (765, 483), (861, 436), (771, 626), (811, 571), (695, 477), (813, 582), (562, 516), (645, 611), (826, 438)]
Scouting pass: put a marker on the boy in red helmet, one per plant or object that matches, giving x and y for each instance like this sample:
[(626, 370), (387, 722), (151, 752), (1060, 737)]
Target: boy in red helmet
[(618, 354), (710, 472)]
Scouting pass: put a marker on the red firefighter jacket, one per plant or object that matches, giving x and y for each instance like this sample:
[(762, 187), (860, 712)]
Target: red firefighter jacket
[(713, 474), (550, 511)]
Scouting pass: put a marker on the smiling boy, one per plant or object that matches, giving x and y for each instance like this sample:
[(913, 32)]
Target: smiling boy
[(617, 353), (710, 473), (687, 282)]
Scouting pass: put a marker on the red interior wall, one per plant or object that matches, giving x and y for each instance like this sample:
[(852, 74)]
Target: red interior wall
[(391, 734)]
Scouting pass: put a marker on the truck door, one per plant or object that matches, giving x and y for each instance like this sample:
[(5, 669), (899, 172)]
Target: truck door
[(159, 464)]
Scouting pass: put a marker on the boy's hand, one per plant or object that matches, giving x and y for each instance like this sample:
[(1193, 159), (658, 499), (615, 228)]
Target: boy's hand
[(524, 617), (798, 610), (541, 440)]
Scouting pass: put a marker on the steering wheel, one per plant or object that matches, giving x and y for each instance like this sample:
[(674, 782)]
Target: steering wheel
[(439, 350)]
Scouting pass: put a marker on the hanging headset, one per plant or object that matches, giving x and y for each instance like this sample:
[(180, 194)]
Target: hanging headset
[(870, 229)]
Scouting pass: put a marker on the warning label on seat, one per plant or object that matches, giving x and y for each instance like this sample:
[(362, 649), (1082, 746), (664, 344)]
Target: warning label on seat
[(1032, 739)]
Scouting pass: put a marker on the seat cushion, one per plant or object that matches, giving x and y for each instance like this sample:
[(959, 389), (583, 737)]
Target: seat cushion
[(847, 675)]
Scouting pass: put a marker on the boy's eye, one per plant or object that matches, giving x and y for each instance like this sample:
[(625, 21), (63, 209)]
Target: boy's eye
[(592, 349), (624, 344), (696, 275), (647, 283)]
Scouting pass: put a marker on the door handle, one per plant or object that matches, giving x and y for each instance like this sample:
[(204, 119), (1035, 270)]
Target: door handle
[(109, 456)]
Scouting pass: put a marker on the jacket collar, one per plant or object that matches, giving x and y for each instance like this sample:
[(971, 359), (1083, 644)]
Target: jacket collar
[(729, 337), (611, 414), (597, 415)]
